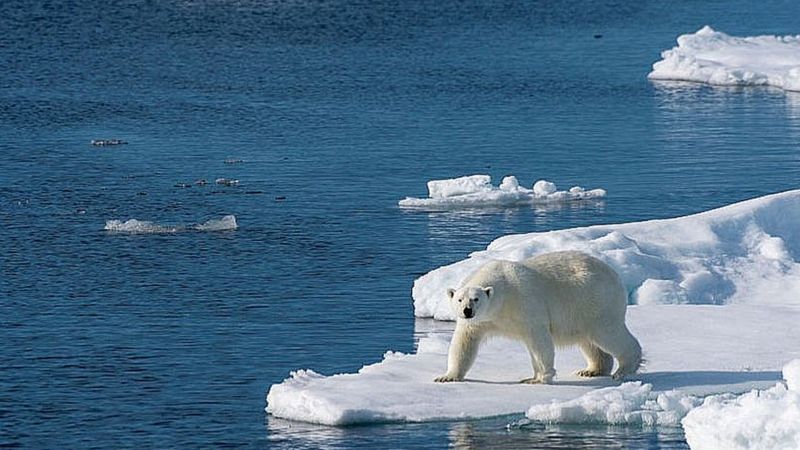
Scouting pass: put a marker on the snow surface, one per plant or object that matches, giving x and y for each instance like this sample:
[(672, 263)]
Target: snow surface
[(226, 223), (713, 57), (477, 191), (743, 253), (691, 351), (760, 419)]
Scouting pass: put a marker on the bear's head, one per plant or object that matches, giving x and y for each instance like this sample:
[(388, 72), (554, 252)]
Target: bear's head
[(471, 302)]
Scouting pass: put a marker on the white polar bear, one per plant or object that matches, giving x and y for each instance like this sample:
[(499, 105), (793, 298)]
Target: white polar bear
[(556, 299)]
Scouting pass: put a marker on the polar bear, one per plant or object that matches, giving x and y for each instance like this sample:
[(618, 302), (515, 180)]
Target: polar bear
[(555, 299)]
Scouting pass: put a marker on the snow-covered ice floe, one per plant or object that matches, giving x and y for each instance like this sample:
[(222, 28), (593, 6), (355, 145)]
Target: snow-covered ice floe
[(760, 419), (692, 351), (742, 257), (713, 57), (747, 252), (477, 191), (225, 223)]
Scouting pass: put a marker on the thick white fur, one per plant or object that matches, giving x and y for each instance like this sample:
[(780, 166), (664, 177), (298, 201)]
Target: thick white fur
[(555, 299)]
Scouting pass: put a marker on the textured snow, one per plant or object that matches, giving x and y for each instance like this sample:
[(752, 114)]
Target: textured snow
[(691, 351), (135, 226), (632, 403), (742, 253), (760, 419), (713, 57), (477, 191)]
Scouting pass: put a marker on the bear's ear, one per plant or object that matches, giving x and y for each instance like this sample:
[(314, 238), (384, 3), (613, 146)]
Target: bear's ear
[(451, 292), (489, 290)]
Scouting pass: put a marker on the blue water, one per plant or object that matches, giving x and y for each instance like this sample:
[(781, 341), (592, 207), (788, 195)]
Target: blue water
[(338, 109)]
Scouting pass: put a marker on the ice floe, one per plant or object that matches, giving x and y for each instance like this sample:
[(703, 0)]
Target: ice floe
[(476, 191), (225, 223), (743, 253), (692, 351), (760, 419), (713, 57), (742, 258)]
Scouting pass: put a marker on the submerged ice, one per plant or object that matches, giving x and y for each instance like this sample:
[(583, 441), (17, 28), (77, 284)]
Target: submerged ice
[(477, 191), (713, 57)]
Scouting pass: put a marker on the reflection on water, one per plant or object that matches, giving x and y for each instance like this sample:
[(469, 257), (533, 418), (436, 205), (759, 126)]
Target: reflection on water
[(510, 432), (481, 225)]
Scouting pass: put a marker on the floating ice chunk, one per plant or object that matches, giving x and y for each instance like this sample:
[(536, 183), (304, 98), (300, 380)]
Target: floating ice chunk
[(477, 191), (632, 403), (712, 57), (544, 187), (138, 226), (227, 181), (134, 226), (748, 252), (226, 223), (104, 142), (760, 419), (459, 186)]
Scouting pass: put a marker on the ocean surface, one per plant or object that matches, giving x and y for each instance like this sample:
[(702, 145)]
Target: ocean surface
[(327, 112)]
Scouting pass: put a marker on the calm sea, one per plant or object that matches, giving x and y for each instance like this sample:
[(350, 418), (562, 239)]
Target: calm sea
[(336, 109)]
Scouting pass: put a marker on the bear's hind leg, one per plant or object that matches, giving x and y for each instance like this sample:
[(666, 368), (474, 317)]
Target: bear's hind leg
[(623, 346), (598, 362)]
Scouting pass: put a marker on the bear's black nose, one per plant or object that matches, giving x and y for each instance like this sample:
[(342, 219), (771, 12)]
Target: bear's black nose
[(467, 312)]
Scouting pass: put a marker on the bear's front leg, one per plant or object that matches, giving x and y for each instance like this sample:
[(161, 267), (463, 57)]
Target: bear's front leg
[(462, 353), (540, 347)]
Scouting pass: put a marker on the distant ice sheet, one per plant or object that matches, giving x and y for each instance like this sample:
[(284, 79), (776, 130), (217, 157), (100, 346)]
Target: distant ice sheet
[(692, 352), (477, 191), (225, 223), (743, 253), (713, 57)]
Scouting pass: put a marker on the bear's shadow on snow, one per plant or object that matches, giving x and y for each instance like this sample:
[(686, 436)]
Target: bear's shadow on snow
[(661, 381), (675, 380), (569, 381)]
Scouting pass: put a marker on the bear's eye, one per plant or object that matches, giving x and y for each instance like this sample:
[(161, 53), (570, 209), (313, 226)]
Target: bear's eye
[(459, 300)]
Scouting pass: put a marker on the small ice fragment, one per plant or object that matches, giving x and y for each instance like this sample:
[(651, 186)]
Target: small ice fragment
[(509, 183), (544, 187), (226, 223), (459, 186), (233, 161), (103, 142), (227, 181)]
